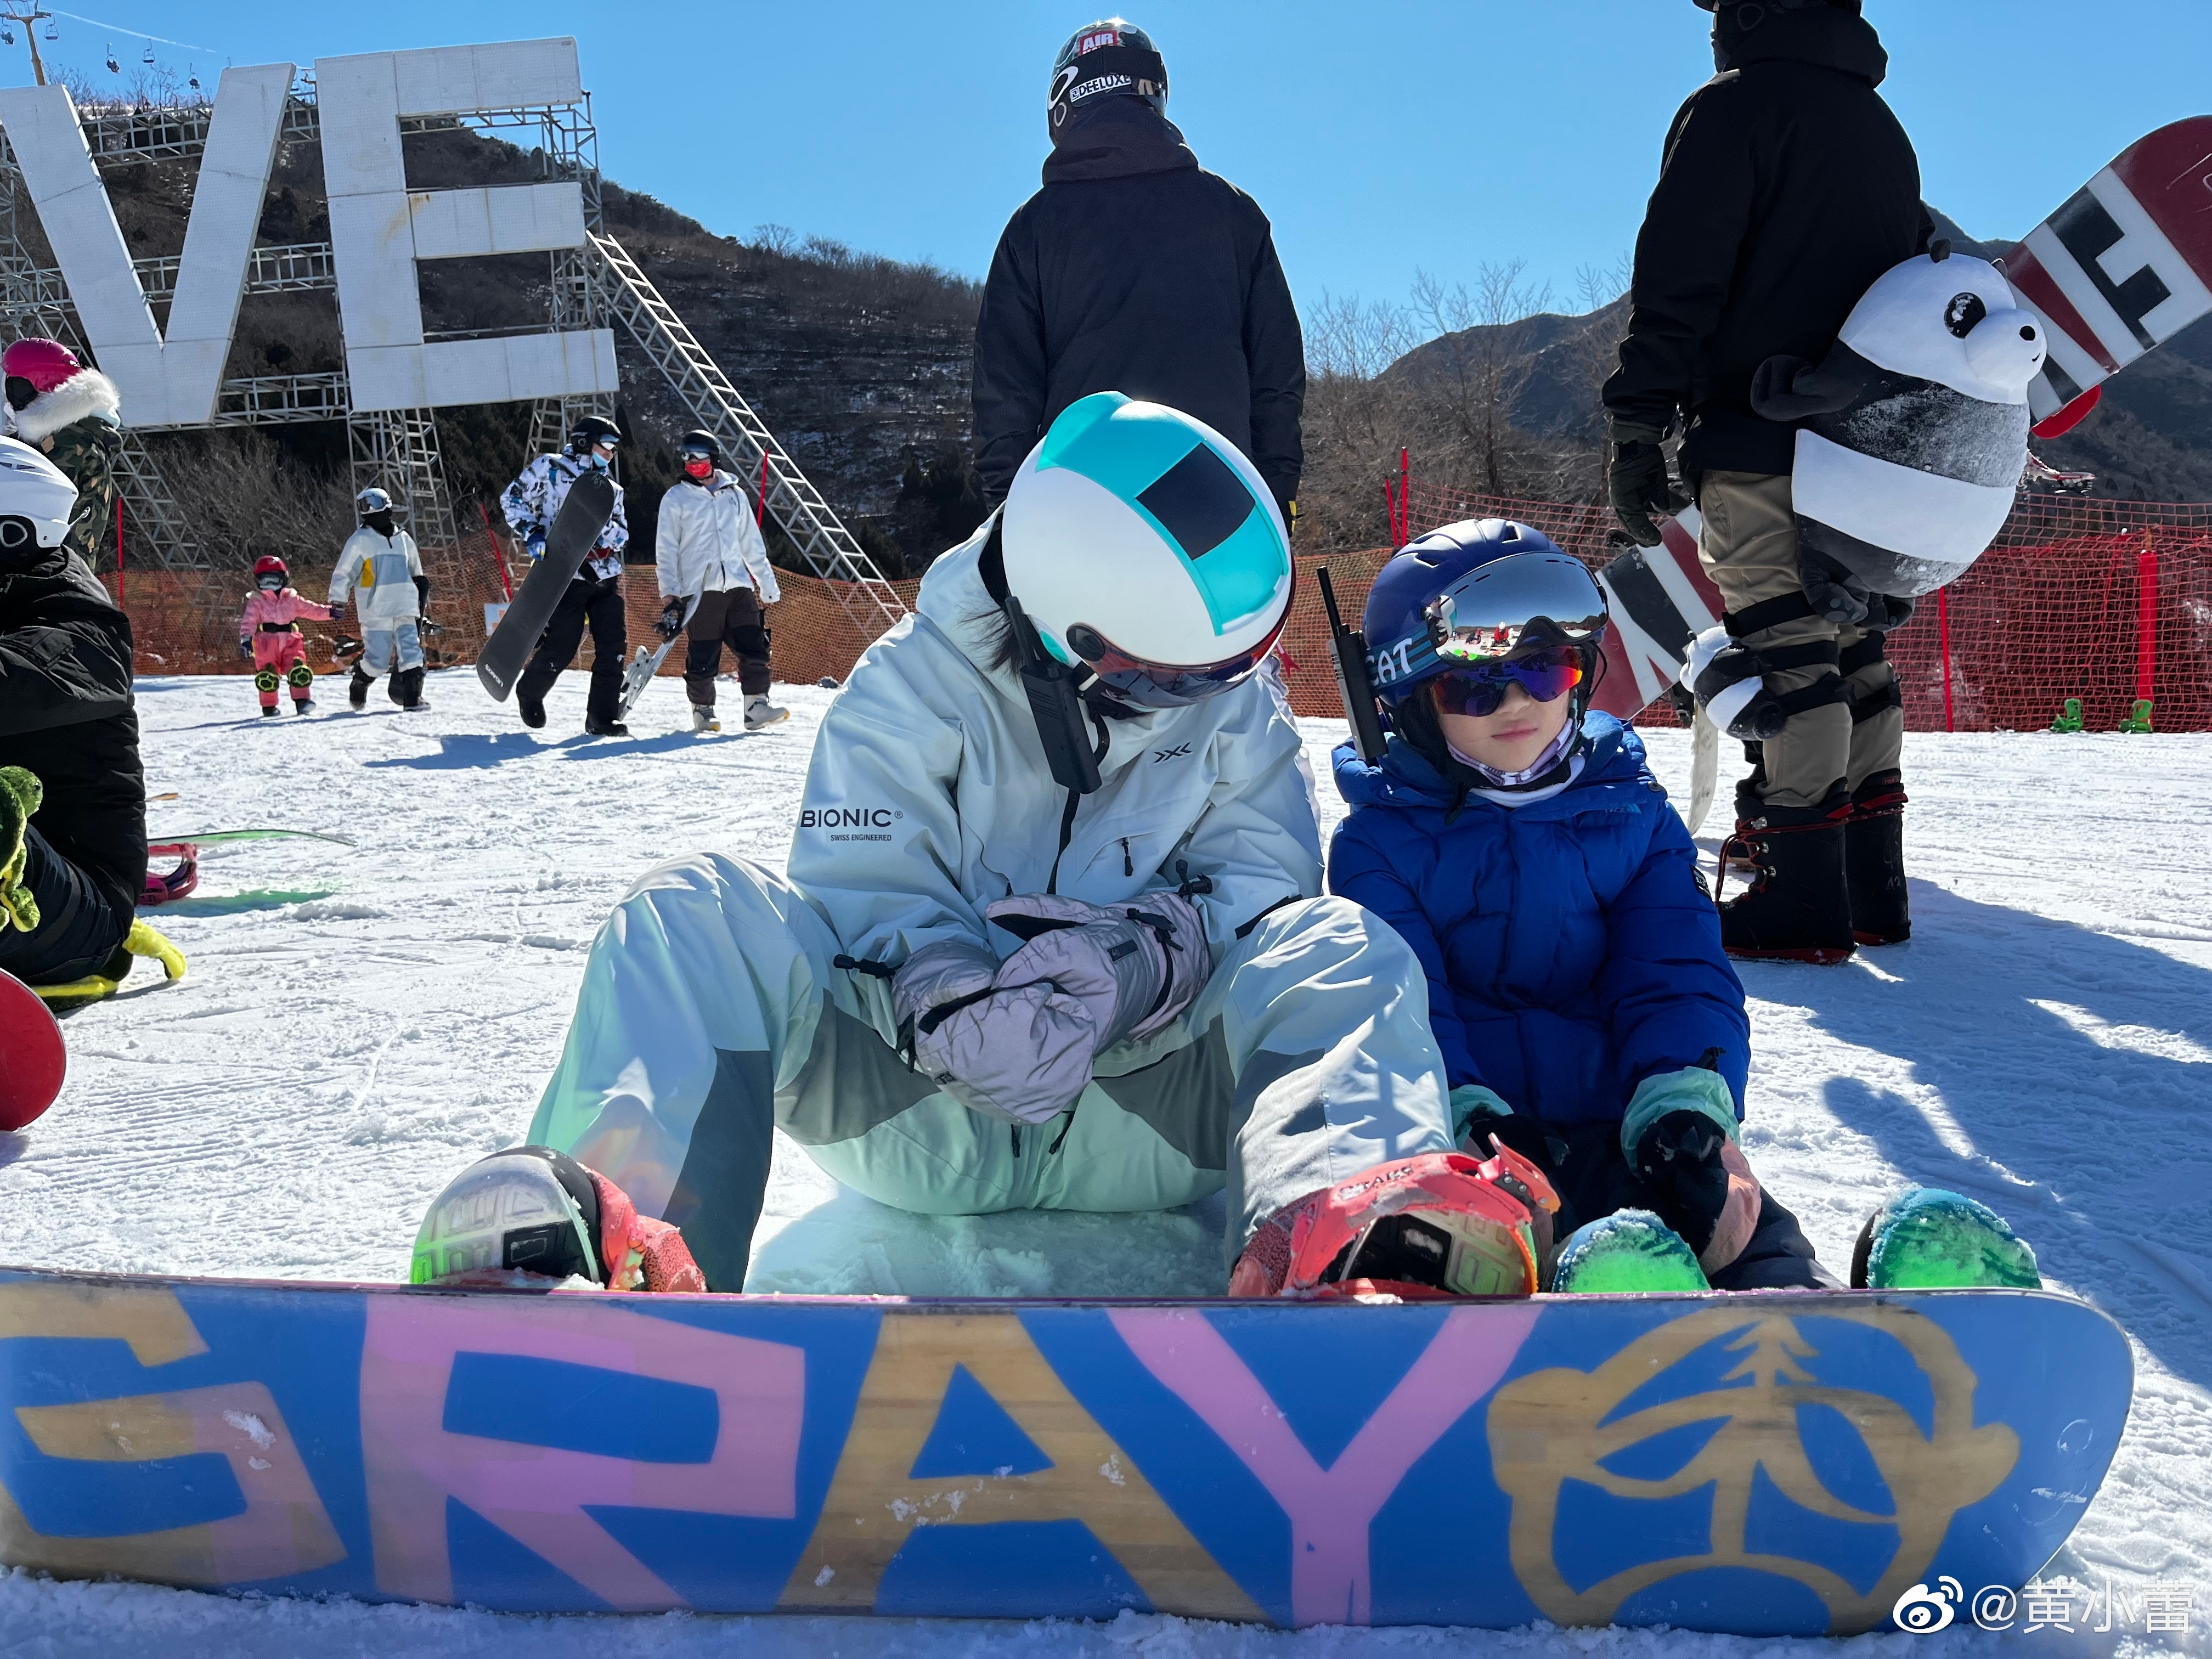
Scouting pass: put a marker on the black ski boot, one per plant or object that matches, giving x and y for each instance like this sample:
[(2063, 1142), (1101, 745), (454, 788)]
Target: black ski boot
[(532, 710), (1798, 909), (1873, 862), (358, 688), (407, 690), (596, 727)]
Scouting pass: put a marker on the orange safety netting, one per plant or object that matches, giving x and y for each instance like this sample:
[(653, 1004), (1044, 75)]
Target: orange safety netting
[(2107, 601)]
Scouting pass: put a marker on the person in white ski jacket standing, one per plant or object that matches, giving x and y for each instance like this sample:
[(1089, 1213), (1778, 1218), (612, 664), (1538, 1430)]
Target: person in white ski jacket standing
[(713, 566), (531, 504), (379, 574), (1051, 934)]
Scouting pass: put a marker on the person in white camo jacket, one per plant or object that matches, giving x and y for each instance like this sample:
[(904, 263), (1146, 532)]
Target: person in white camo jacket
[(713, 569), (531, 504)]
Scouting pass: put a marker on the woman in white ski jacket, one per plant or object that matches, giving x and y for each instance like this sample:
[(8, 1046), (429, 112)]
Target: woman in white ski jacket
[(714, 567), (1051, 933)]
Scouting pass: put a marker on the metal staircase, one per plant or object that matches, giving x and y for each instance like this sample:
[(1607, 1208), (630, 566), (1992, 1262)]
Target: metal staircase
[(823, 541), (398, 450), (155, 509)]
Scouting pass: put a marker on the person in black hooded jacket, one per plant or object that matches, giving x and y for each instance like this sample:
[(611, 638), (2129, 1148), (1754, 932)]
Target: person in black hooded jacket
[(1134, 271), (67, 720), (1787, 187)]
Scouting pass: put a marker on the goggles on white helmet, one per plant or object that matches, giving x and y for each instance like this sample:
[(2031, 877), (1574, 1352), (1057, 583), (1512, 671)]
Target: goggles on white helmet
[(372, 500), (1146, 550)]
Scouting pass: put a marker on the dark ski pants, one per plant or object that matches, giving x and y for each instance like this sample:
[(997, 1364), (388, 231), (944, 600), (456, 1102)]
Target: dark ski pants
[(1592, 1176), (600, 604), (728, 616), (79, 927)]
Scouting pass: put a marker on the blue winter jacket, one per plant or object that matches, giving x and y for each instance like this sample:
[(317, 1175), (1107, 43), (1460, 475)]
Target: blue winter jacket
[(1572, 950)]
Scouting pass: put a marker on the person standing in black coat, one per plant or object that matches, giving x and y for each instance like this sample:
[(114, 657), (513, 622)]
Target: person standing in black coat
[(1134, 271), (73, 826), (1787, 187)]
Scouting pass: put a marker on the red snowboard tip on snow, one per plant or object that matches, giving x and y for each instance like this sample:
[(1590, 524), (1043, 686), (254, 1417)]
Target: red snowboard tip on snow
[(32, 1061)]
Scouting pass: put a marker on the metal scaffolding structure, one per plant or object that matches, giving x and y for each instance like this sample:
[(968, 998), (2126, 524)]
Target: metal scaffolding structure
[(592, 287)]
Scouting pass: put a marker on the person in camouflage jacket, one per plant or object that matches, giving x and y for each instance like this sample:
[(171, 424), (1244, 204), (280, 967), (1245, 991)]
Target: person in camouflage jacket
[(74, 415)]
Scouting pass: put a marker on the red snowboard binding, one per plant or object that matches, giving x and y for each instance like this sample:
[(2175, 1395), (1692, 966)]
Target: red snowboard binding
[(1440, 1224)]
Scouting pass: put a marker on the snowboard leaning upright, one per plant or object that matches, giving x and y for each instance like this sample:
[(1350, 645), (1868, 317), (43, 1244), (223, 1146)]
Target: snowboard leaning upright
[(576, 531)]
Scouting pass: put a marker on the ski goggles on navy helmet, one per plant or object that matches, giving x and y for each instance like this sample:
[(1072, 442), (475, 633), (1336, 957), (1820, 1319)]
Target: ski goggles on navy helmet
[(1504, 608), (1479, 689), (1143, 684)]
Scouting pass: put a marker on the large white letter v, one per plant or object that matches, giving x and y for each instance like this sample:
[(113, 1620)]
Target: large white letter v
[(172, 381)]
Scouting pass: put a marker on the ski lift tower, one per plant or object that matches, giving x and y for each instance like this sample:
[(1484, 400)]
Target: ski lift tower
[(595, 285)]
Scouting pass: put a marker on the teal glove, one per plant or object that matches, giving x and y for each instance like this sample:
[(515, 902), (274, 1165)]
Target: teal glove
[(1470, 1103), (1693, 1089), (20, 793)]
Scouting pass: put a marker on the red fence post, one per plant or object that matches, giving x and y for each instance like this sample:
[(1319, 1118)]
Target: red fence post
[(2146, 620), (1944, 630), (498, 563)]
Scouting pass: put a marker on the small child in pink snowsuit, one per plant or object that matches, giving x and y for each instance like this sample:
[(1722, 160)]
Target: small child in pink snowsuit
[(269, 633)]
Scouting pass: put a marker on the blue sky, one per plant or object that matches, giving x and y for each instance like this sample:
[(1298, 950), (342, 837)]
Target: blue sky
[(1381, 139)]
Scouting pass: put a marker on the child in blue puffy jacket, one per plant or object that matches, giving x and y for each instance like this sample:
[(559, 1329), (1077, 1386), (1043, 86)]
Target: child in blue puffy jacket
[(1518, 841)]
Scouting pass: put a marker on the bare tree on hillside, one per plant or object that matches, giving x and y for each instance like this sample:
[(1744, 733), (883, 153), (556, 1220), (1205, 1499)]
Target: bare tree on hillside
[(1478, 372)]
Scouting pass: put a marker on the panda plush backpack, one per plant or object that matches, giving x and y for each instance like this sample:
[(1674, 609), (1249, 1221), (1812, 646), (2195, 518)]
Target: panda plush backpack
[(1913, 438)]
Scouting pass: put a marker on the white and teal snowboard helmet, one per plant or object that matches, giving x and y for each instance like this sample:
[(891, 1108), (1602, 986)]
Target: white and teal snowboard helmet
[(1147, 549)]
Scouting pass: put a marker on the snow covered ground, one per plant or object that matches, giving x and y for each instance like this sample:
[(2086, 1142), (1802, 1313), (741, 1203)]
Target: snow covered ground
[(359, 1023)]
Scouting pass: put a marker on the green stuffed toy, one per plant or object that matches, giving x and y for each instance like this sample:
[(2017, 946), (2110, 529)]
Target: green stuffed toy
[(20, 795)]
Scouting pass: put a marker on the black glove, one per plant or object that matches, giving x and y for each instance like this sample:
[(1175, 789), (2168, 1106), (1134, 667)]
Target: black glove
[(1680, 1160), (1637, 482), (672, 620), (337, 611), (246, 650)]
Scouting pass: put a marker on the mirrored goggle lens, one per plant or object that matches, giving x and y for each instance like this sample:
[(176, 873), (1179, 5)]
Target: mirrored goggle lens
[(1491, 603), (1480, 689)]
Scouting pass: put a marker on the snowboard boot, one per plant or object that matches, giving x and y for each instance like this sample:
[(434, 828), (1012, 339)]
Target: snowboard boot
[(1440, 1224), (529, 1214), (357, 686), (703, 718), (1628, 1253), (407, 690), (760, 712), (1927, 1239), (1798, 909), (1873, 862), (303, 705), (533, 710), (269, 713), (596, 727)]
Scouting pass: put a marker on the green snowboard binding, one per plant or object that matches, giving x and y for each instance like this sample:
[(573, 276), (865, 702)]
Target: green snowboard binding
[(1630, 1252), (1927, 1239)]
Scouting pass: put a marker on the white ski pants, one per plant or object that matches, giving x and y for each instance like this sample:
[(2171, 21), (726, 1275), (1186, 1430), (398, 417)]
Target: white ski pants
[(710, 1015), (385, 648)]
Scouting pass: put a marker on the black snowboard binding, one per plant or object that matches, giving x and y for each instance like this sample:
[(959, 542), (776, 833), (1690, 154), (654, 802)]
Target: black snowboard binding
[(1873, 862), (1798, 909)]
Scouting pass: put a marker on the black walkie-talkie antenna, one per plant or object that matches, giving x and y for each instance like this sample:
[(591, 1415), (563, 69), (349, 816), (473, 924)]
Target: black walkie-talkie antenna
[(1347, 650)]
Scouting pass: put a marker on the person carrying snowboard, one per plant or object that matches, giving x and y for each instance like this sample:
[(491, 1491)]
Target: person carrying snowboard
[(1135, 270), (72, 415), (1587, 1015), (531, 504), (1787, 187), (72, 789), (381, 570), (269, 635), (713, 566), (1051, 934)]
